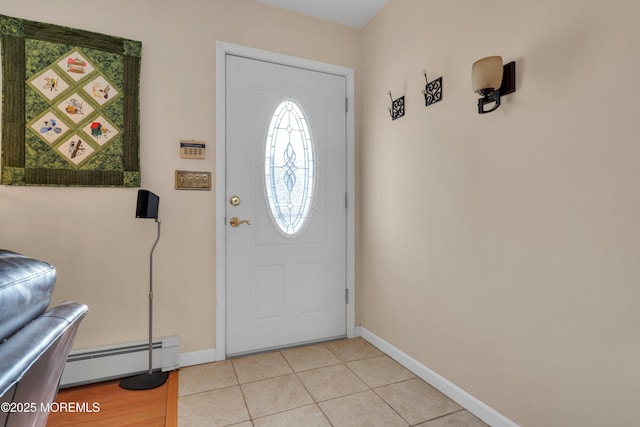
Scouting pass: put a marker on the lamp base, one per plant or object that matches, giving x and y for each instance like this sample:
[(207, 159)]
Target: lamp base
[(145, 381)]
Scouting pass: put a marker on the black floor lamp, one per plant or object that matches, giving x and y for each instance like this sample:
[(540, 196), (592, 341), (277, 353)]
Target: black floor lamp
[(147, 207)]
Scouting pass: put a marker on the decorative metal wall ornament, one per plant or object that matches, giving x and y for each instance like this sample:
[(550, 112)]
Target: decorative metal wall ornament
[(432, 91), (397, 107)]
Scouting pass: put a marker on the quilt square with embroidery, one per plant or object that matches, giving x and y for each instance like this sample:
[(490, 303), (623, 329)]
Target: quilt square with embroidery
[(70, 111)]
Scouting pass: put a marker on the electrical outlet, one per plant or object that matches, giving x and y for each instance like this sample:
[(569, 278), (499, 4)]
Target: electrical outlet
[(191, 180)]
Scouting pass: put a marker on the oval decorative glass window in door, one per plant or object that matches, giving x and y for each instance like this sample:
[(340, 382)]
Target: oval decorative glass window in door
[(289, 168)]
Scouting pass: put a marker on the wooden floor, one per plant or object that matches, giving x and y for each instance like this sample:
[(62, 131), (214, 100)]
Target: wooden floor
[(118, 407)]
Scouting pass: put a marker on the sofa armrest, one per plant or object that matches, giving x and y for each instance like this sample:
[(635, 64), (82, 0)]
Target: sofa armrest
[(26, 285), (37, 354)]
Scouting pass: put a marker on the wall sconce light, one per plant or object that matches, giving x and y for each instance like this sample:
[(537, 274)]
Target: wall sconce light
[(432, 91), (397, 107), (492, 80)]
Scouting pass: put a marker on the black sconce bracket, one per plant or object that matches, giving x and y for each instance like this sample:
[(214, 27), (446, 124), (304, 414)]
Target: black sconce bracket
[(508, 84)]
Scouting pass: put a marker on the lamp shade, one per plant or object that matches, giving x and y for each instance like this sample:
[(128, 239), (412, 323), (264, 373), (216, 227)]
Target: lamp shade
[(486, 73)]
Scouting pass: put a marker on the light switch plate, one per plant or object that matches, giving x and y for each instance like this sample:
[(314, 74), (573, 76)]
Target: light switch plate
[(192, 180)]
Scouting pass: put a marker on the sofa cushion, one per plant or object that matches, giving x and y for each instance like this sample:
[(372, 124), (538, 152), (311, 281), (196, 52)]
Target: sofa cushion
[(26, 285)]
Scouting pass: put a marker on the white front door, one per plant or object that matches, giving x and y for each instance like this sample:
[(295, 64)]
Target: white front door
[(286, 177)]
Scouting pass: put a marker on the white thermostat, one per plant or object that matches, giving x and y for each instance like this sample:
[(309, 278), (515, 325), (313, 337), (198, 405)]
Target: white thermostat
[(192, 149)]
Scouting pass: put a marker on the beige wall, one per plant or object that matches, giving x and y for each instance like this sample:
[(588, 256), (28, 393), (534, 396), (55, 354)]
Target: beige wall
[(503, 250), (90, 234)]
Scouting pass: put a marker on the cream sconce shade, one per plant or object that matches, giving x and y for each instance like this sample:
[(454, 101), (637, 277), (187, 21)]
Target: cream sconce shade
[(486, 74), (491, 80)]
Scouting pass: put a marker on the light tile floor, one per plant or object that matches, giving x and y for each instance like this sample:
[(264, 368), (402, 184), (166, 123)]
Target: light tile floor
[(340, 383)]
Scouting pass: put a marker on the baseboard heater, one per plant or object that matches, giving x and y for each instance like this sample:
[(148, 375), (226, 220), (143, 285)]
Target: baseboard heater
[(117, 361)]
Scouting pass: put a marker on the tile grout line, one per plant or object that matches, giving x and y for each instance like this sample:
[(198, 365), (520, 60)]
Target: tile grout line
[(408, 422), (244, 398), (315, 402), (443, 416), (208, 391), (281, 412), (341, 362), (369, 388), (293, 372), (388, 404), (373, 389)]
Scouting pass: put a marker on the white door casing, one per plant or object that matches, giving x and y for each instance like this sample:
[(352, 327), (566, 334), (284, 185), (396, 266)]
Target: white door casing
[(254, 245)]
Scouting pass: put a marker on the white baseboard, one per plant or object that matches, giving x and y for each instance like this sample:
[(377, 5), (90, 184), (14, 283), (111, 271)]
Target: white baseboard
[(197, 357), (463, 398), (104, 363)]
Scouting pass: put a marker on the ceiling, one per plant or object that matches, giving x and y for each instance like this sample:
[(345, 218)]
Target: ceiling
[(354, 13)]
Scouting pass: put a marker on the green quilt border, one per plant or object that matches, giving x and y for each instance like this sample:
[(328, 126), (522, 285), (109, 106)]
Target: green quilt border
[(13, 33)]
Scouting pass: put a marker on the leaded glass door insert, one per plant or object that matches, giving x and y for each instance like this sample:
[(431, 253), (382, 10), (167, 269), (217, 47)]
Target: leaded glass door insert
[(289, 168)]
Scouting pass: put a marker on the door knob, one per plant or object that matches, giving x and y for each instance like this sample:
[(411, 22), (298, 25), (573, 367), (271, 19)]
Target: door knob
[(235, 221)]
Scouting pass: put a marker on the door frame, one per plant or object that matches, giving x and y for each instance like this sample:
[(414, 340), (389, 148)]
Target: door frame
[(222, 50)]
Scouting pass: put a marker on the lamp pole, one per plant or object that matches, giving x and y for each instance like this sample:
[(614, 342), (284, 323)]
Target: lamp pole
[(148, 208), (151, 300)]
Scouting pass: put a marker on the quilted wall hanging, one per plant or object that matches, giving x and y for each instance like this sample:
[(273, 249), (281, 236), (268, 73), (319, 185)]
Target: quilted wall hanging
[(70, 106)]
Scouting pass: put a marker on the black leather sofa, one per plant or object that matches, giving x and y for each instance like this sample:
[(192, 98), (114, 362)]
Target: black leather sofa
[(34, 343)]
